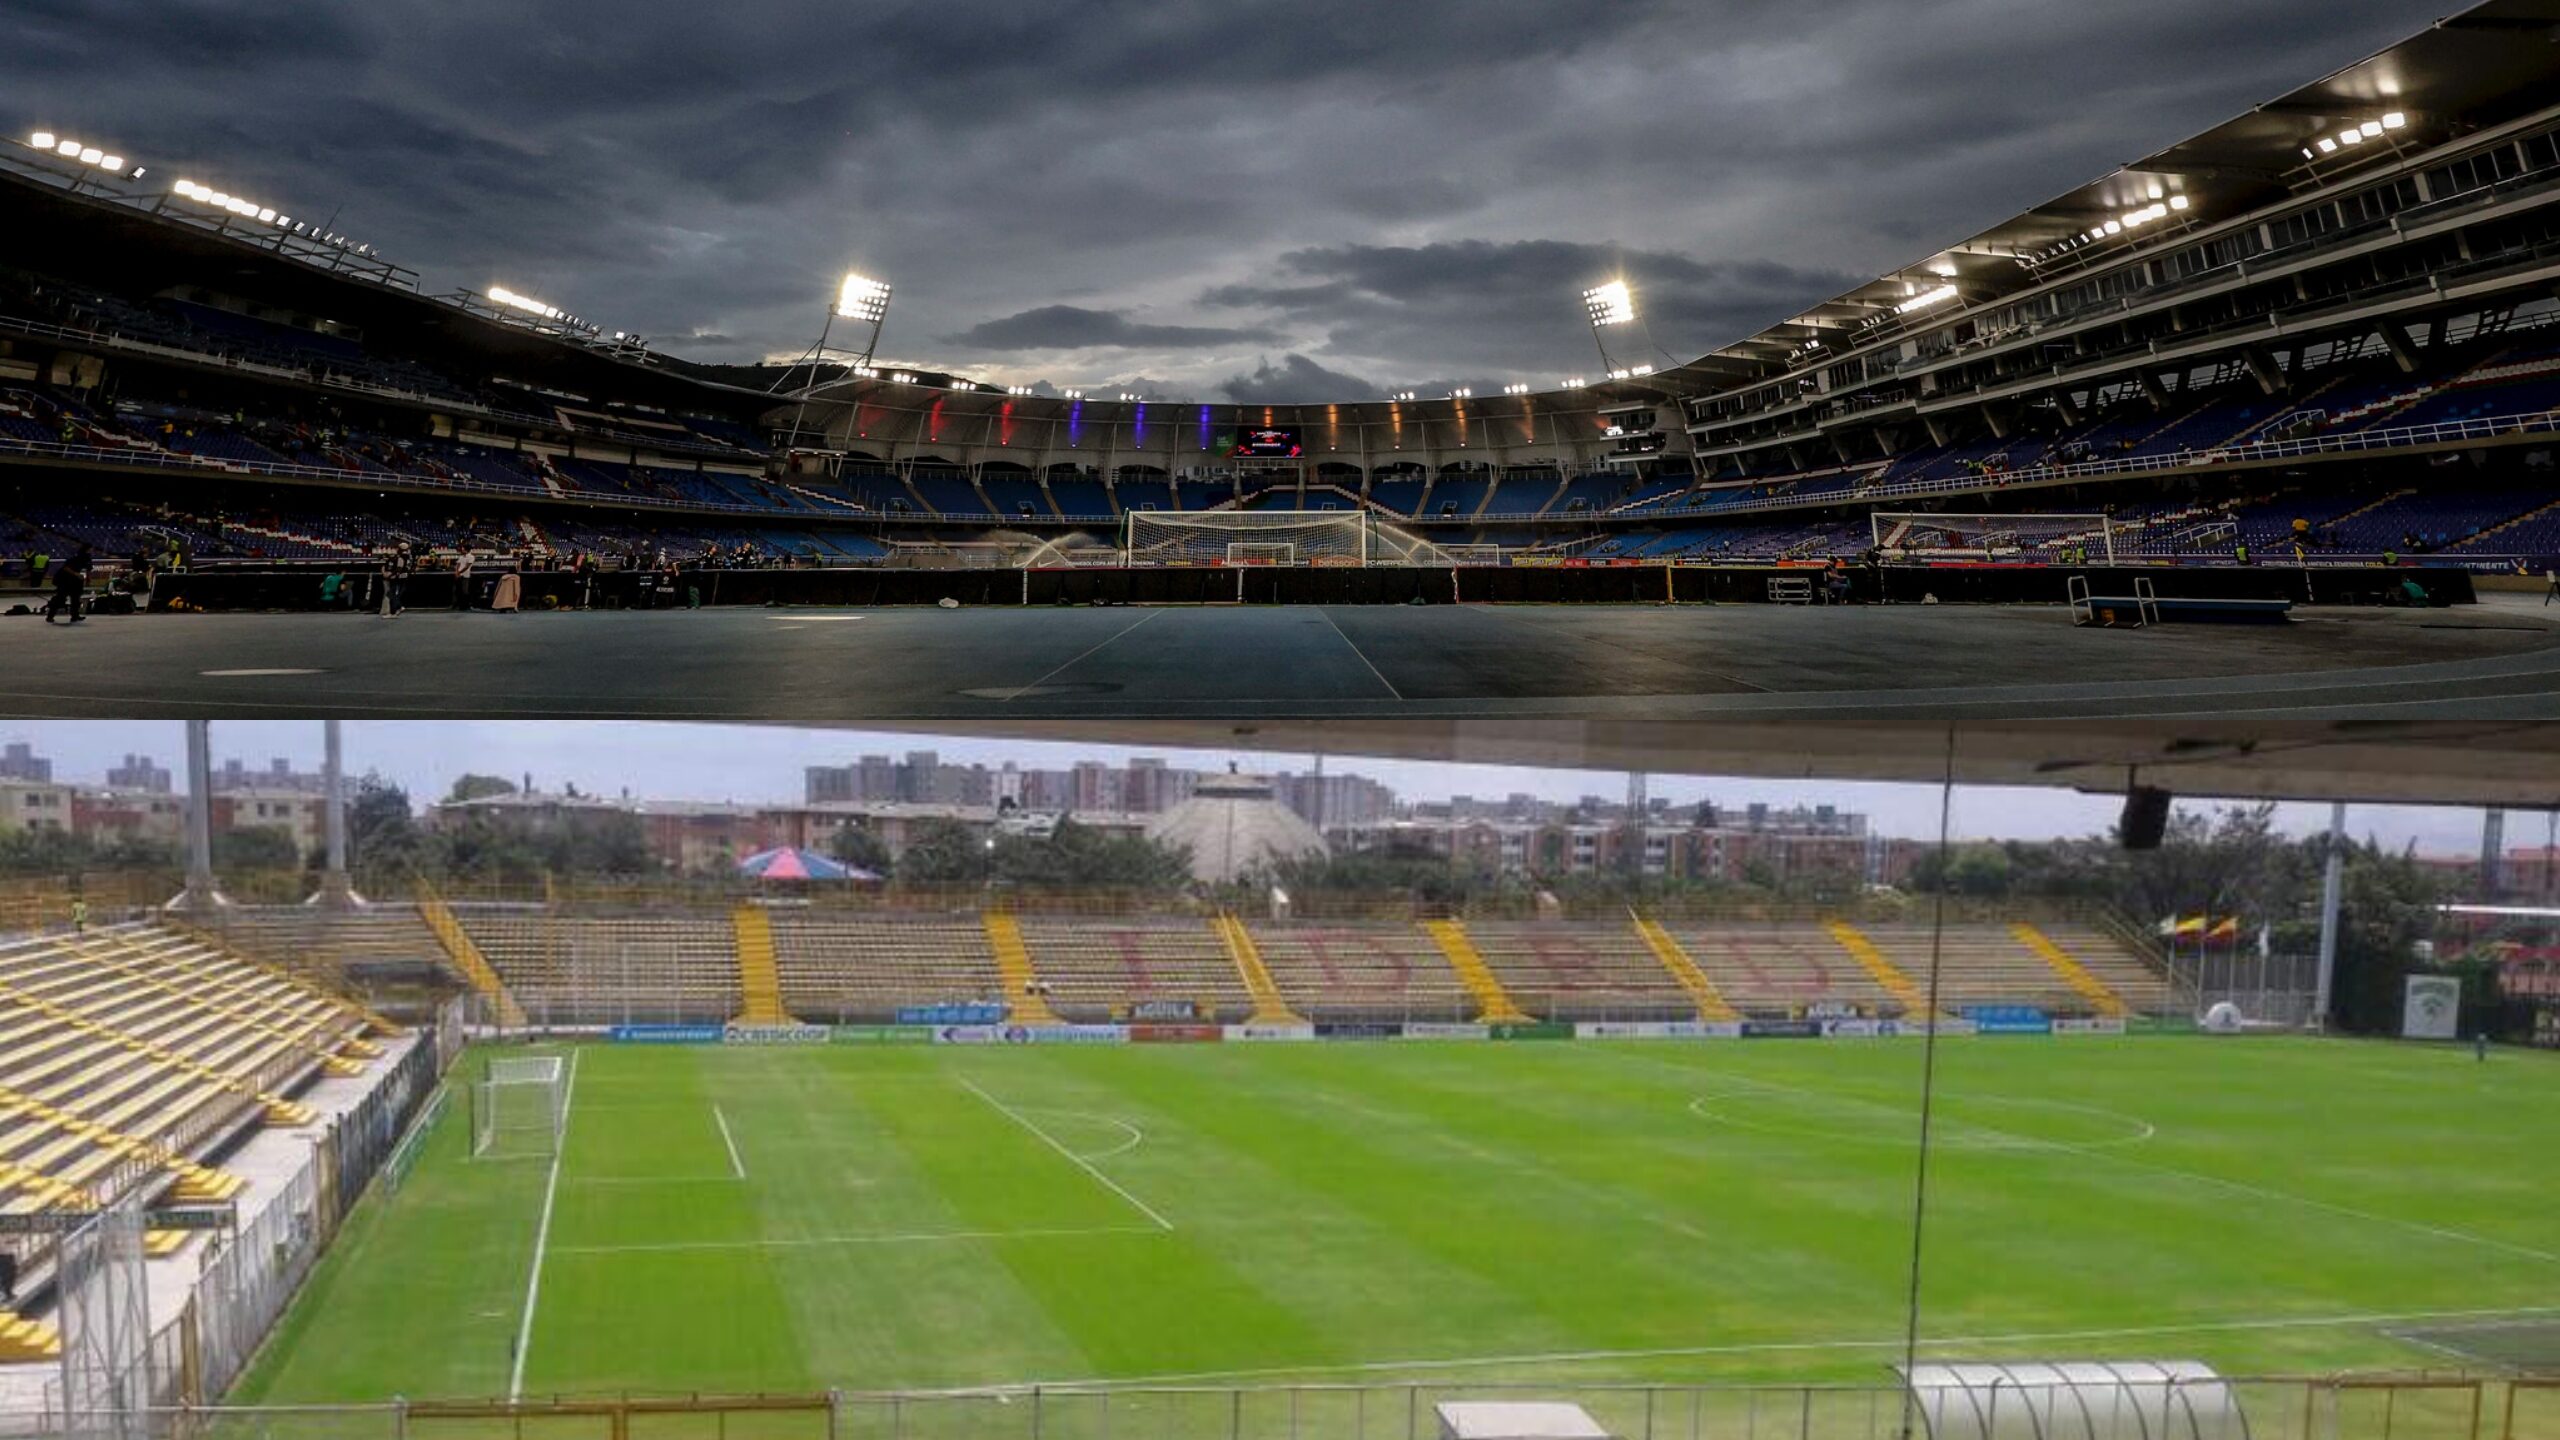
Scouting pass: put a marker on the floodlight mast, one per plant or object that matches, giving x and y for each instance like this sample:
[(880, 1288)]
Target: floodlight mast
[(859, 298), (1608, 305)]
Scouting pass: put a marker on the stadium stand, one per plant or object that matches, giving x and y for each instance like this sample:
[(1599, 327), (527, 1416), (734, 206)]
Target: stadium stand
[(1362, 972), (1098, 971), (130, 1050), (657, 968), (863, 966)]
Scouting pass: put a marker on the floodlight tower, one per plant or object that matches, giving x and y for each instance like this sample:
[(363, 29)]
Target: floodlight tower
[(860, 299), (1609, 306)]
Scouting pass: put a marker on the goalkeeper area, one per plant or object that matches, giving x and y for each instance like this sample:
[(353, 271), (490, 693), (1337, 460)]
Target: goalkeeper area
[(737, 1219)]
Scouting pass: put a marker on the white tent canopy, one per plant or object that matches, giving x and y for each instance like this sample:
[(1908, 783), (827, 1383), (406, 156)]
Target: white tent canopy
[(2077, 1400)]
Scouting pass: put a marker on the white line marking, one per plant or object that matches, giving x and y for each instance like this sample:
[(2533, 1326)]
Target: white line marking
[(1137, 1137), (1077, 1160), (807, 619), (1071, 664), (911, 1238), (542, 1232), (737, 1167), (258, 671), (1356, 650), (654, 1179), (1943, 1342)]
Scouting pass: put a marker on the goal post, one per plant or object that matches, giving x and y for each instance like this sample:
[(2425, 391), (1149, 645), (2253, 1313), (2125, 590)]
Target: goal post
[(1246, 537), (1919, 538), (1285, 537), (519, 1108)]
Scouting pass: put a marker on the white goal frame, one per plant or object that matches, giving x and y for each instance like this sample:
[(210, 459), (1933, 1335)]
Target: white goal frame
[(520, 1108), (1218, 538), (1920, 536)]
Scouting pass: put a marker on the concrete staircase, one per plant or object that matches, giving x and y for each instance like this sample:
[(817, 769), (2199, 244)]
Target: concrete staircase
[(1493, 1003), (476, 970), (1269, 1006), (1022, 1004), (2074, 974), (1887, 975), (759, 978), (1712, 1005)]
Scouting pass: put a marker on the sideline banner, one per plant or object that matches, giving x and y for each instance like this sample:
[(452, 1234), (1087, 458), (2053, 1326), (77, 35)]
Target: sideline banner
[(1780, 1029), (775, 1035), (1358, 1030), (1271, 1032), (1658, 1030), (1066, 1034), (968, 1035), (663, 1034), (1533, 1030), (2090, 1025), (967, 1013), (882, 1034), (1176, 1034), (2432, 1008), (2008, 1020), (1442, 1030), (1858, 1029)]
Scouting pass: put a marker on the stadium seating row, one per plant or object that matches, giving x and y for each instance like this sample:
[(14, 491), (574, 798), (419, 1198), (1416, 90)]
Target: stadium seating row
[(125, 1053), (834, 966)]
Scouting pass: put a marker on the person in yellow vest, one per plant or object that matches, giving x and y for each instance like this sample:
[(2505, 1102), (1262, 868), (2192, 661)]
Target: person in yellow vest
[(79, 914)]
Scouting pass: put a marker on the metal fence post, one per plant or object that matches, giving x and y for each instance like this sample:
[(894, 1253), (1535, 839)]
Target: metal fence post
[(1649, 1392), (835, 1402), (1412, 1407), (1035, 1412), (1235, 1398)]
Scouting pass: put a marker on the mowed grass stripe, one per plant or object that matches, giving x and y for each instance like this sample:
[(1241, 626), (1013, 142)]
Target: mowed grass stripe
[(1349, 1205)]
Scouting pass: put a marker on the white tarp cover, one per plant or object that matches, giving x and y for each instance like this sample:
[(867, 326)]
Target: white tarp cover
[(1516, 1420), (2077, 1400)]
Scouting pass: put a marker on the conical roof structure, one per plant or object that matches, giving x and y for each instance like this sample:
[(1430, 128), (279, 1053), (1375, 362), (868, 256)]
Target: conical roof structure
[(1233, 826)]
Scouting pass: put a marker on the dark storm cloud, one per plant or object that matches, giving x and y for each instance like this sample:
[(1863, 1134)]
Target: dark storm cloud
[(1072, 327), (1364, 191), (1296, 378)]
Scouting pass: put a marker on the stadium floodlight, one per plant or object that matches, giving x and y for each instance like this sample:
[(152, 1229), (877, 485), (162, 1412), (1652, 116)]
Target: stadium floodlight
[(1610, 304), (42, 140), (1574, 382), (1017, 389), (68, 149), (1072, 394), (862, 298), (1462, 393), (501, 295), (1937, 295), (1404, 395), (2394, 120), (1516, 387)]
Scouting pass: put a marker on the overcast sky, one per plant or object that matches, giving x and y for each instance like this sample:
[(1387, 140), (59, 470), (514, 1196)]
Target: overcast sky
[(752, 763), (1204, 199)]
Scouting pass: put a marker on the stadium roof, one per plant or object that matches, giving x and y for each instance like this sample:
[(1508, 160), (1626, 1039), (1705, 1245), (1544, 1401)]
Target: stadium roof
[(2466, 72), (2509, 764), (125, 242)]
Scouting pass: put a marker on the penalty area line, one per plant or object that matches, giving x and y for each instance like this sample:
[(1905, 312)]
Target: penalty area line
[(737, 1167), (1077, 1160)]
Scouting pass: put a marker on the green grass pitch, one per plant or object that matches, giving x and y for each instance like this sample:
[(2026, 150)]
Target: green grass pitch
[(741, 1220)]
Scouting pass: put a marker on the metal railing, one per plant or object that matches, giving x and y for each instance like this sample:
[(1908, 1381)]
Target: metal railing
[(2352, 1407)]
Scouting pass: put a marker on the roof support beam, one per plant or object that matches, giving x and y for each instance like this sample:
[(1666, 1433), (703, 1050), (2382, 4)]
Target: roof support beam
[(2270, 376), (2404, 349)]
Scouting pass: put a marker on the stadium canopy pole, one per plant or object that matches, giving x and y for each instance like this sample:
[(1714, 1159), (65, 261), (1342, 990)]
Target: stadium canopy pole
[(200, 893), (2332, 875), (1928, 1092), (337, 892)]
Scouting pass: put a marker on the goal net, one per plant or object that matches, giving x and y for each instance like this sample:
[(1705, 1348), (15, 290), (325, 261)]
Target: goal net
[(1247, 537), (2049, 539), (519, 1108), (1286, 537)]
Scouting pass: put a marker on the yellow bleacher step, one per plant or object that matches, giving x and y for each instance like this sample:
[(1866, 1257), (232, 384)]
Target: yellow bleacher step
[(23, 1340), (1023, 1005), (1887, 975), (1270, 1007), (2074, 974), (341, 1066), (466, 957), (759, 974), (200, 1185), (160, 1244), (1703, 993), (1493, 1003)]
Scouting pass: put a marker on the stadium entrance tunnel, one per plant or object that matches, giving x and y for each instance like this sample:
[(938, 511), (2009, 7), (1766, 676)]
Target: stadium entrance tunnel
[(299, 589), (2075, 1400)]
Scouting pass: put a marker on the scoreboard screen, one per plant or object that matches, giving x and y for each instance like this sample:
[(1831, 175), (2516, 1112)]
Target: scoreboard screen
[(1265, 443)]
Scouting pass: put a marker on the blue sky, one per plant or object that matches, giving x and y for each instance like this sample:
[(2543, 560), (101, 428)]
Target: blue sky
[(764, 763)]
